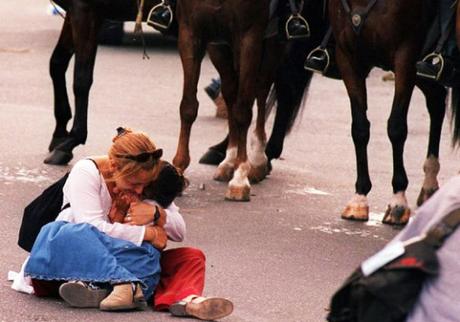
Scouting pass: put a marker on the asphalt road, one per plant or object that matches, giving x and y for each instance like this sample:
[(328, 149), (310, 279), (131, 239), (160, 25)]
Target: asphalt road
[(278, 257)]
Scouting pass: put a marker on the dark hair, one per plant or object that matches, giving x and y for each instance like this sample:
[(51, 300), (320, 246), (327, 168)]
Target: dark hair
[(167, 186)]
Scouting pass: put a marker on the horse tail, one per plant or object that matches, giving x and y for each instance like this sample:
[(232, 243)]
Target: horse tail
[(290, 86), (455, 119)]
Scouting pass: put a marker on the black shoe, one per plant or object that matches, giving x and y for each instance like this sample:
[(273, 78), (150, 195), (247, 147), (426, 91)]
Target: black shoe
[(317, 61), (160, 17), (213, 89), (297, 27)]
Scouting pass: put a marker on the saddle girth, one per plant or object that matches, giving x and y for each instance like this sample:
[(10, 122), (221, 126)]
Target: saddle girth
[(358, 16)]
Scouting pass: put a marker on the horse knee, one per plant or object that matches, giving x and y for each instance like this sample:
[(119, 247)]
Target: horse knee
[(59, 62), (397, 131), (188, 110)]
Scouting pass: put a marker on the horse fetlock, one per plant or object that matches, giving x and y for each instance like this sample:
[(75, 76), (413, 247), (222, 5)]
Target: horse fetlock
[(224, 173), (258, 173), (396, 215), (425, 194), (181, 162), (56, 141), (58, 157)]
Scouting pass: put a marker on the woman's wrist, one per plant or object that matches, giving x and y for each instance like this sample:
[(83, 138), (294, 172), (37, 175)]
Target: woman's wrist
[(150, 234)]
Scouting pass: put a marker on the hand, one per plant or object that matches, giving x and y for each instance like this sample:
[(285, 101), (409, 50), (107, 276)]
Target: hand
[(161, 221), (156, 236), (140, 213), (120, 205)]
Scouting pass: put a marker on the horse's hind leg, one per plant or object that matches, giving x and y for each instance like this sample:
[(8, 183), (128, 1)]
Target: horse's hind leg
[(58, 66), (222, 58), (258, 140), (191, 52), (435, 95), (85, 27), (248, 55)]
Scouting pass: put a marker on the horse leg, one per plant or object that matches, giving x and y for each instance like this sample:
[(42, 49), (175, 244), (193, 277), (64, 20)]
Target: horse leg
[(85, 27), (289, 93), (191, 52), (58, 66), (357, 207), (258, 139), (435, 95), (222, 58), (273, 50), (398, 211), (249, 56)]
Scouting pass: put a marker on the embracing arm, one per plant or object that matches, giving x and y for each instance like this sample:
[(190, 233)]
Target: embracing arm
[(83, 192), (142, 213)]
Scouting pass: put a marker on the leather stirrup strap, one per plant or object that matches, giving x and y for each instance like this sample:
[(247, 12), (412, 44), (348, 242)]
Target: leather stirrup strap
[(446, 35), (138, 26), (294, 9), (326, 38)]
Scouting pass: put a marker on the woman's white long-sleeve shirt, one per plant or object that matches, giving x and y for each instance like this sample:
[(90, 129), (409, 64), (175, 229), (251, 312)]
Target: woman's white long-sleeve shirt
[(90, 201)]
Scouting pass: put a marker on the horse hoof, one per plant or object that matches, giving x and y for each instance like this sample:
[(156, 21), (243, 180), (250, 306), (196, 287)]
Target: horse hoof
[(359, 213), (397, 215), (224, 173), (237, 193), (425, 194), (58, 157), (257, 174), (212, 157), (55, 141)]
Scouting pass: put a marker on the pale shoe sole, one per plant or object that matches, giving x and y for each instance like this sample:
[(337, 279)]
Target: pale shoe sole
[(78, 295), (208, 309)]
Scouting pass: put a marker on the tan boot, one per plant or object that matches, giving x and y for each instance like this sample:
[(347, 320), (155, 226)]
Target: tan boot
[(203, 308), (123, 298), (81, 294)]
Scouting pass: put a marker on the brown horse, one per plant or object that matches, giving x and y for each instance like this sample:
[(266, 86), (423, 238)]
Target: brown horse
[(241, 26), (387, 34)]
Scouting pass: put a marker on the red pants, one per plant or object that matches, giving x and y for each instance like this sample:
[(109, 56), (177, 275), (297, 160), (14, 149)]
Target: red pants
[(182, 274)]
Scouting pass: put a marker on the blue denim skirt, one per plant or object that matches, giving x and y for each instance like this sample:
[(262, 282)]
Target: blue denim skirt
[(65, 251)]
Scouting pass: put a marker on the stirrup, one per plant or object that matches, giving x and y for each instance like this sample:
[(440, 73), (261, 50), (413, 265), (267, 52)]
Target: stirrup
[(298, 17), (316, 54), (157, 24), (429, 59)]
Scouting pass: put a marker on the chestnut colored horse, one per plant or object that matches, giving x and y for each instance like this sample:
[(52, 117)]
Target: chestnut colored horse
[(282, 69), (387, 34)]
